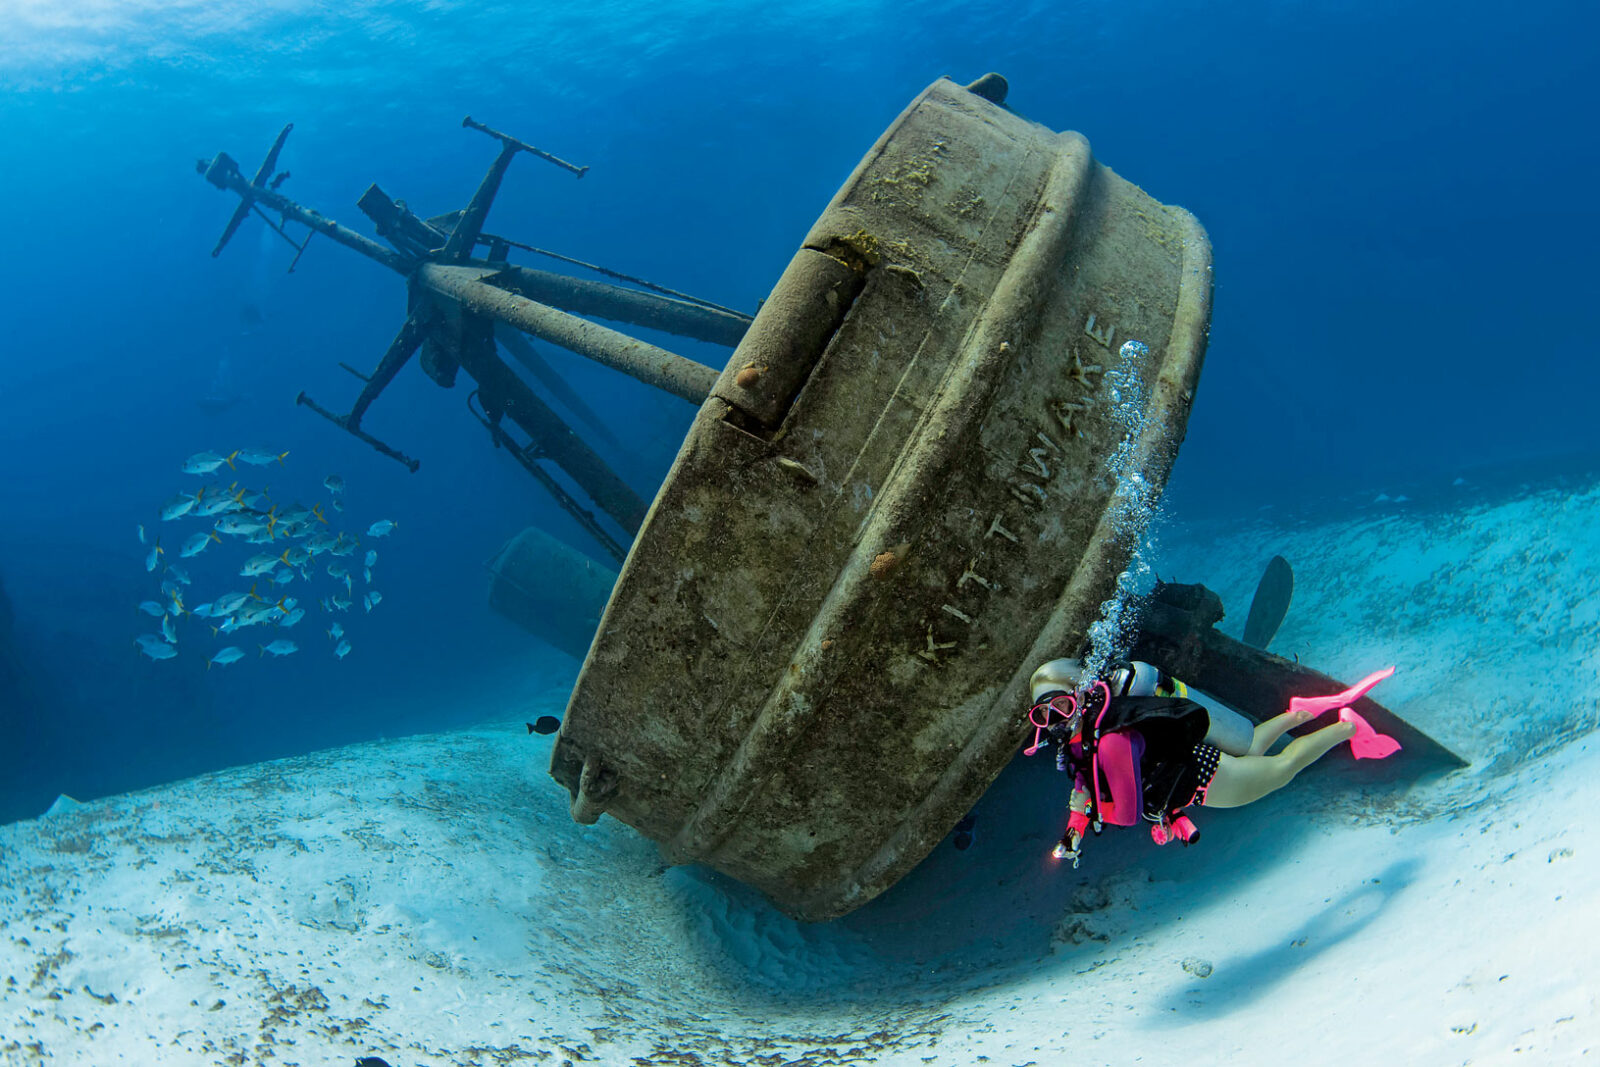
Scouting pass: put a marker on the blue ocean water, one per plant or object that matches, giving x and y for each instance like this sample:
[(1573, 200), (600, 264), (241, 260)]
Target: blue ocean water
[(1399, 197)]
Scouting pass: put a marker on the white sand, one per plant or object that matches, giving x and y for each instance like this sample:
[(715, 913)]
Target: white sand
[(429, 900)]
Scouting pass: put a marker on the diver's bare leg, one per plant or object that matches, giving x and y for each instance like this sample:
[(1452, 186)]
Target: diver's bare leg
[(1268, 732), (1241, 779)]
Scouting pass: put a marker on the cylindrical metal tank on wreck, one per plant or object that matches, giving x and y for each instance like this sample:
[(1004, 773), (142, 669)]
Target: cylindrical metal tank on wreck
[(904, 493), (550, 589)]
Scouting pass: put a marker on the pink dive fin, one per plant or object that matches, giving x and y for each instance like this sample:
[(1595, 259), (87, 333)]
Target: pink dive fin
[(1368, 743), (1317, 705)]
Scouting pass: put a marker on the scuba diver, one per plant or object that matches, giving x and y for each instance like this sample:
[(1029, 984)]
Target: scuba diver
[(1140, 750)]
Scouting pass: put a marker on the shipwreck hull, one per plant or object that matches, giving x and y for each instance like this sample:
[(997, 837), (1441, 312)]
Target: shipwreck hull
[(895, 503)]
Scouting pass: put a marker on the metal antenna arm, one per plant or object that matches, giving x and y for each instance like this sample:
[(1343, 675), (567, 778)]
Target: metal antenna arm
[(219, 171), (270, 164), (465, 236), (343, 422), (401, 349), (522, 146)]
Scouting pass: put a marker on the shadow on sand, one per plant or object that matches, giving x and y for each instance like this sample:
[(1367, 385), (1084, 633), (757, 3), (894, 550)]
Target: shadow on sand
[(1003, 912), (1238, 982)]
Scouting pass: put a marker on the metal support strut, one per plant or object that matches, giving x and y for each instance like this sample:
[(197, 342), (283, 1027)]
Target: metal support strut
[(652, 365)]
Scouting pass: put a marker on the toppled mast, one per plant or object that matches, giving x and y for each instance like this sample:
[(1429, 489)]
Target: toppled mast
[(466, 300)]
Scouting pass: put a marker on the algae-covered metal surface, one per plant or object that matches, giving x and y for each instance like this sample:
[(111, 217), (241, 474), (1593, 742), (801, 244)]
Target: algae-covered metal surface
[(895, 503)]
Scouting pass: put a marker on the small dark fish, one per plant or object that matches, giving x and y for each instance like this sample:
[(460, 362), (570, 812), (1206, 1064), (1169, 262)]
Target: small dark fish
[(371, 1061), (546, 724)]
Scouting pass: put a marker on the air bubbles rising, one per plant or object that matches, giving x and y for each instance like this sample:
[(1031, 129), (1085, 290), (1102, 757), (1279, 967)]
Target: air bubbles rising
[(1133, 507)]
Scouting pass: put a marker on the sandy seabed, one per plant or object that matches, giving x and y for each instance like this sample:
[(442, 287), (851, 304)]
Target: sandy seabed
[(428, 899)]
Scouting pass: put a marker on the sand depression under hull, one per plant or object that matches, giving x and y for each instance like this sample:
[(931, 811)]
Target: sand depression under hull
[(429, 900)]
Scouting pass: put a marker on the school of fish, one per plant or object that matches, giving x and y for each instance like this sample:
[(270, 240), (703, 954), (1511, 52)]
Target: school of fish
[(288, 540)]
